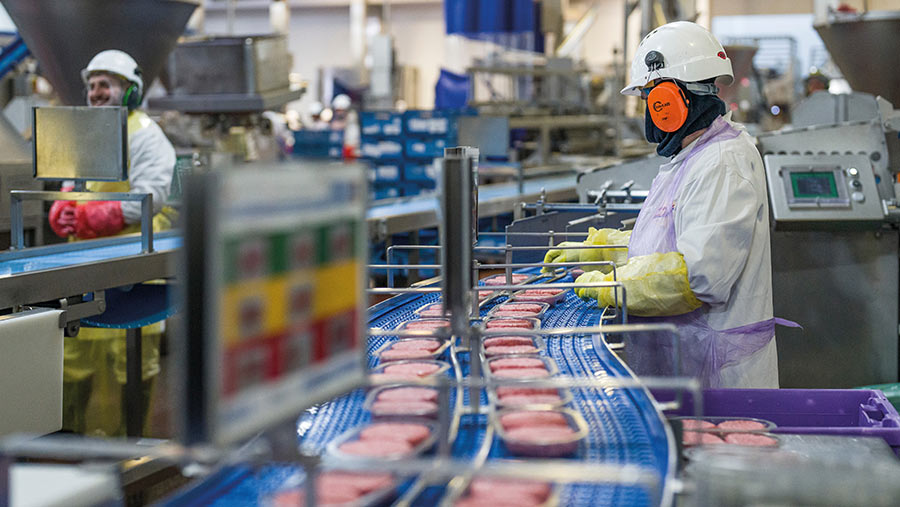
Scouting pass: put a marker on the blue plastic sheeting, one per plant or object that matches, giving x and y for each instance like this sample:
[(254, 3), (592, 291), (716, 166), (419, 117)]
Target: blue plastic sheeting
[(60, 258), (451, 91), (134, 306), (479, 17)]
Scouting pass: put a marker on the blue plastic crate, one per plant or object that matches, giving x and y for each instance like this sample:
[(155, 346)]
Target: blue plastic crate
[(319, 137), (381, 149), (317, 151), (419, 171), (428, 123), (382, 191), (425, 148), (381, 123), (386, 173)]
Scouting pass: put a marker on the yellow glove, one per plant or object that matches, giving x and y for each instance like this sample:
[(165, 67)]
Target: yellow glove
[(656, 285), (597, 237)]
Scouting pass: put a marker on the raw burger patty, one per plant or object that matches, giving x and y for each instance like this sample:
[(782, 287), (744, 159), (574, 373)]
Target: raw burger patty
[(427, 324), (508, 341), (750, 439), (696, 424), (429, 345), (522, 373), (375, 448), (541, 434), (364, 483), (531, 399), (517, 278), (411, 433), (690, 438), (505, 391), (497, 350), (400, 354), (743, 425), (510, 324), (539, 490), (532, 418), (404, 407), (521, 307), (417, 369), (408, 394), (516, 362), (513, 313)]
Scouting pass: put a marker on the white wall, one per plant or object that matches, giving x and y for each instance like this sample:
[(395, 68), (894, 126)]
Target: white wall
[(319, 36)]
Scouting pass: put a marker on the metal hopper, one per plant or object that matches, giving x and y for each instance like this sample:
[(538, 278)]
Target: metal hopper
[(864, 47), (65, 34)]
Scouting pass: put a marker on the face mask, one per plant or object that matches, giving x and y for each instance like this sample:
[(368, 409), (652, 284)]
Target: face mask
[(702, 110)]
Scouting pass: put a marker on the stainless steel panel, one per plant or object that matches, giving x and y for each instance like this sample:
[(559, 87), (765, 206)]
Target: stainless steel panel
[(845, 211), (81, 143), (851, 138), (842, 288), (862, 47), (65, 35), (827, 108), (230, 65)]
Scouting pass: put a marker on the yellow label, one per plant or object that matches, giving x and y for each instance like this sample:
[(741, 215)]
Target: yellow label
[(336, 289)]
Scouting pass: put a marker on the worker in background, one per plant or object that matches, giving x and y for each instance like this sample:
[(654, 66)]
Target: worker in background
[(699, 255), (815, 82), (113, 78), (319, 117), (346, 119)]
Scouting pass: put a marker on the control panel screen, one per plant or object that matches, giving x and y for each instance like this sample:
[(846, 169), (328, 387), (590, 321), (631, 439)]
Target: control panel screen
[(812, 184)]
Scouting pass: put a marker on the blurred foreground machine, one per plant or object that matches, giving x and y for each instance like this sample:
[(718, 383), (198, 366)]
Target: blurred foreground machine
[(834, 214)]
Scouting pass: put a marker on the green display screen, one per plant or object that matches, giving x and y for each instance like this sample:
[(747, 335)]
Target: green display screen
[(813, 184)]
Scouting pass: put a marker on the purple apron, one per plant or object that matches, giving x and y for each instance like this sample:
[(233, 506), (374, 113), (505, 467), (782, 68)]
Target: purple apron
[(704, 350)]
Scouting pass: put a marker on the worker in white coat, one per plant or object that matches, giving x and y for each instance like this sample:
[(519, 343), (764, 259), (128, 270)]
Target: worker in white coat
[(699, 255), (113, 78)]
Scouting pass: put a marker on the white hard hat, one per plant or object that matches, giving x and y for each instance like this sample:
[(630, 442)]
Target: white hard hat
[(315, 108), (342, 101), (681, 50), (115, 62)]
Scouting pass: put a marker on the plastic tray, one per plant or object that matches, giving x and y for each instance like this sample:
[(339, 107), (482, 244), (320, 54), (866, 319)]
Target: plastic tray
[(442, 367), (767, 425), (523, 296), (405, 325), (537, 340), (535, 323), (565, 397), (565, 447), (431, 310), (512, 304), (372, 397), (518, 279), (549, 364), (353, 434), (848, 412), (442, 346), (293, 493), (551, 500)]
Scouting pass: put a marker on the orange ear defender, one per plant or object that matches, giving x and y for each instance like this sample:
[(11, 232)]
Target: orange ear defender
[(668, 106)]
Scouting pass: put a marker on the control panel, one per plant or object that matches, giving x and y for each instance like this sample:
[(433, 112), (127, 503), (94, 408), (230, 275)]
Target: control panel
[(823, 189)]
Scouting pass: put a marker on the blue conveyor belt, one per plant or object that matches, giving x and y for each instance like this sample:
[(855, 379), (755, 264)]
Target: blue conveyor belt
[(73, 254), (624, 426), (485, 193)]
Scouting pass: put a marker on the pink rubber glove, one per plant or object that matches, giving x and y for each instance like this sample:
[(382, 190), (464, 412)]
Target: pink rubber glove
[(62, 218), (96, 219)]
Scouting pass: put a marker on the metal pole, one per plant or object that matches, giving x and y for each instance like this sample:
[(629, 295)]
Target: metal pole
[(134, 416), (147, 223), (457, 238), (16, 226)]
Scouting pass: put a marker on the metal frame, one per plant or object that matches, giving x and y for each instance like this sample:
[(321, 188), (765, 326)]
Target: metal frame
[(17, 196)]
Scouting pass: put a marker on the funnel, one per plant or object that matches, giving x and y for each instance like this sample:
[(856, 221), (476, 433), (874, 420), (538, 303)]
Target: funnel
[(864, 47), (65, 34)]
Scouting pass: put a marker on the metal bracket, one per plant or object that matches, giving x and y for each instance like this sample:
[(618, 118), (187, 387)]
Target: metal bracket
[(16, 197), (75, 312)]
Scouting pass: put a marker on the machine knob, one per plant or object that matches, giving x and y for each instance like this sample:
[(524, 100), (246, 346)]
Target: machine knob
[(856, 184), (853, 172), (858, 196)]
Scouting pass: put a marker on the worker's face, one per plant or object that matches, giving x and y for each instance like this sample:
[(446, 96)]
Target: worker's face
[(105, 90)]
